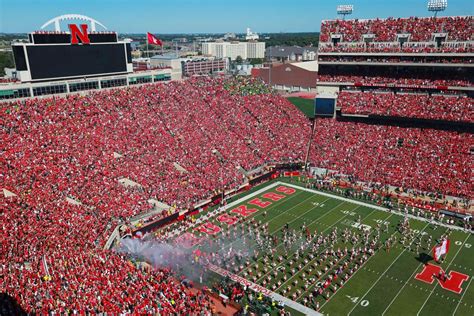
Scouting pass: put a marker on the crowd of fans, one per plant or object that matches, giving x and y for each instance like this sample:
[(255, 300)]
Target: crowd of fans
[(396, 59), (396, 48), (78, 148), (382, 80), (436, 107), (386, 30), (246, 86), (179, 142), (426, 159)]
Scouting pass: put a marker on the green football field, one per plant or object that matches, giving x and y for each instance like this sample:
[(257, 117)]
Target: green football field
[(304, 105), (384, 284)]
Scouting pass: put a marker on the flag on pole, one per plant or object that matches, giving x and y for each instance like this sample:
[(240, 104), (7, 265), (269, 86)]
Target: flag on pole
[(441, 249), (152, 39), (45, 269)]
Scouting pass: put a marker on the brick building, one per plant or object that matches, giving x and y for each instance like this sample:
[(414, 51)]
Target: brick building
[(290, 76)]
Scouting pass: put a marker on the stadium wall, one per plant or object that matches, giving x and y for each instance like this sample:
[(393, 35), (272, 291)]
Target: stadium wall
[(15, 91)]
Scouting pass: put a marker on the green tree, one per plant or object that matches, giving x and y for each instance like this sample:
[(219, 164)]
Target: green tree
[(238, 60), (256, 61), (6, 60), (290, 39)]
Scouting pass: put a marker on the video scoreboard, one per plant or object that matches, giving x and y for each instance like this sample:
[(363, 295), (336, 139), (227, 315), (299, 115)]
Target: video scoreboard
[(324, 106), (78, 54)]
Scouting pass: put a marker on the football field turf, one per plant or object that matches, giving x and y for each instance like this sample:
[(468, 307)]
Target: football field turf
[(384, 284)]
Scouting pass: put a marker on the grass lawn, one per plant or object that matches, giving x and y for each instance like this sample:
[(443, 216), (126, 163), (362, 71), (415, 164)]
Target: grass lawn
[(304, 105)]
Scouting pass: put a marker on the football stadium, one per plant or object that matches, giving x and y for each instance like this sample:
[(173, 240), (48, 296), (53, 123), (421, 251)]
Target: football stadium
[(133, 191)]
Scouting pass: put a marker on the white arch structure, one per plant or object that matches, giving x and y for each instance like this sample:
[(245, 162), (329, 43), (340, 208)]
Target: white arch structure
[(65, 17)]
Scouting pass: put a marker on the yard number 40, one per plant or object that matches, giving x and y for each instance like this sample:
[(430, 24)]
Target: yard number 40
[(363, 303)]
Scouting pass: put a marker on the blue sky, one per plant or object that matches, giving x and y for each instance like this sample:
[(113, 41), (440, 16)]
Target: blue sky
[(216, 16)]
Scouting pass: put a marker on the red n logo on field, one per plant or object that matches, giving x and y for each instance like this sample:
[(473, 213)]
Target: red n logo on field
[(76, 34), (452, 282)]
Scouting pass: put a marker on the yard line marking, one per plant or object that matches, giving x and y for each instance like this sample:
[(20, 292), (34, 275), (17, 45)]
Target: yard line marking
[(329, 211), (312, 286), (408, 280), (310, 197), (316, 257), (364, 264), (274, 232), (337, 197), (274, 296), (396, 259), (178, 231), (460, 247), (462, 297), (328, 227), (239, 201), (316, 220)]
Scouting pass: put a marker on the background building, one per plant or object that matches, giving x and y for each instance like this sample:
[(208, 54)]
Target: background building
[(243, 69), (290, 76), (251, 36), (169, 61), (234, 49), (229, 36), (189, 66), (255, 49), (203, 66), (291, 53)]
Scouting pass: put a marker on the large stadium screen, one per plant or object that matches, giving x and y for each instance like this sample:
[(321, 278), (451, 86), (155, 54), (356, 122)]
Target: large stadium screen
[(324, 106), (19, 56), (57, 61)]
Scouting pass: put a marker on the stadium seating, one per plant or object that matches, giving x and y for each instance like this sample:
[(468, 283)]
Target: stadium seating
[(83, 277), (394, 47), (374, 58), (437, 107), (364, 80), (425, 159), (77, 148), (386, 30), (80, 146)]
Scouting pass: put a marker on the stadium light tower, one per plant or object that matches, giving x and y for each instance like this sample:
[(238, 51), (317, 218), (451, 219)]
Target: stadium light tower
[(345, 9), (437, 6)]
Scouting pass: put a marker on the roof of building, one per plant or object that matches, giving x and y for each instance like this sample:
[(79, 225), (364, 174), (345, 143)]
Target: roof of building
[(288, 74), (285, 51), (308, 65), (165, 56)]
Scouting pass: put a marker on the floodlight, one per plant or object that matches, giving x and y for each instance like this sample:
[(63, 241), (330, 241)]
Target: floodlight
[(437, 6), (345, 9)]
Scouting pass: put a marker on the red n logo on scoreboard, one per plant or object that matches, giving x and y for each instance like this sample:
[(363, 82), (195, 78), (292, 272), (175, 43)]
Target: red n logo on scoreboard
[(77, 34), (451, 282)]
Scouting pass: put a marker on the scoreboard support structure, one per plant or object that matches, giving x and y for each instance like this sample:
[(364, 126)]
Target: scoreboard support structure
[(324, 106)]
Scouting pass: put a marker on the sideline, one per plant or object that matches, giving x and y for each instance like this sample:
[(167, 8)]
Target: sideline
[(222, 209), (260, 289), (380, 208)]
